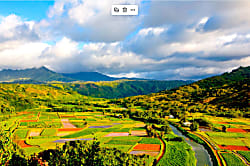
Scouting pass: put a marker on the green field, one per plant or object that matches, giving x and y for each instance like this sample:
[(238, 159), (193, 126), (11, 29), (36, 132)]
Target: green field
[(48, 132), (150, 141), (226, 135), (245, 154), (21, 133), (232, 160), (175, 156), (121, 142)]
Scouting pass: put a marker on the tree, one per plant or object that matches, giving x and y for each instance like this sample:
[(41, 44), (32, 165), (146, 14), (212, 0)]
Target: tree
[(194, 126), (224, 128)]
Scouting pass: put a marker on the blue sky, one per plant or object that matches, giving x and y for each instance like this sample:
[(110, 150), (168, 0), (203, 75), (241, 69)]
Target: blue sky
[(30, 10), (168, 40)]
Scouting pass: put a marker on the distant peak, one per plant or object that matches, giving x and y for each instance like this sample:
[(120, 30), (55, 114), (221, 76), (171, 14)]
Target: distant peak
[(43, 67)]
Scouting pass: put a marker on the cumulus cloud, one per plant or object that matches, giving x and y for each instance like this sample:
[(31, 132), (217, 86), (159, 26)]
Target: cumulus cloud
[(20, 55), (90, 20), (13, 28), (102, 57)]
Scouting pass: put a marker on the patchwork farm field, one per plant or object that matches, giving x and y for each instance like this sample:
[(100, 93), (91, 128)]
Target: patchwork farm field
[(38, 131), (229, 138)]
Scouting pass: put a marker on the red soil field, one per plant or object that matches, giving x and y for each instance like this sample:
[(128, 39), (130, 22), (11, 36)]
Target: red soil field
[(81, 117), (236, 130), (234, 147), (70, 129), (152, 147), (22, 113), (23, 144), (222, 122), (28, 121)]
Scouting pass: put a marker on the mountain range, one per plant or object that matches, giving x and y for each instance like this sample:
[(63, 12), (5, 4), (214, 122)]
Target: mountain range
[(43, 74)]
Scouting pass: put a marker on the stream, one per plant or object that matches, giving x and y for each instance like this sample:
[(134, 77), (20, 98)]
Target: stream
[(201, 154)]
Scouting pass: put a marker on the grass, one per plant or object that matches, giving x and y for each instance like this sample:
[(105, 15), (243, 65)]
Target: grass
[(117, 130), (227, 134), (228, 141), (127, 138), (147, 140), (40, 141), (32, 150), (124, 148), (48, 132), (21, 133), (89, 119), (239, 123), (23, 123), (36, 125), (178, 153), (54, 125), (232, 160), (115, 119), (121, 142), (83, 132), (78, 124), (245, 154), (138, 128), (227, 125)]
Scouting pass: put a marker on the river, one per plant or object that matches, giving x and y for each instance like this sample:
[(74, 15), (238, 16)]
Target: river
[(201, 154)]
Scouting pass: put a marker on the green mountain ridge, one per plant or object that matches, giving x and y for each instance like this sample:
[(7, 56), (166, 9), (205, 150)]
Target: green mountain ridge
[(89, 76), (88, 83), (45, 75), (41, 74), (121, 88), (224, 95)]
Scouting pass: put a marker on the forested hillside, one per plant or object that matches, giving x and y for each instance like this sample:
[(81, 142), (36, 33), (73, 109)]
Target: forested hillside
[(225, 95), (15, 97), (121, 88)]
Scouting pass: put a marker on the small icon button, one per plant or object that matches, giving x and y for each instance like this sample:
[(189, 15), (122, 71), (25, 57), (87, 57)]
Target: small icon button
[(116, 9), (124, 10)]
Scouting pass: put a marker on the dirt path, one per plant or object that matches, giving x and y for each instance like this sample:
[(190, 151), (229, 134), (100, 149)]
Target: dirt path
[(67, 124), (163, 149)]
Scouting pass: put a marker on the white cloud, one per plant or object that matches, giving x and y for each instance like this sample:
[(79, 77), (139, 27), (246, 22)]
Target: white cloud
[(13, 27), (64, 48), (90, 20), (151, 31), (21, 55), (127, 75)]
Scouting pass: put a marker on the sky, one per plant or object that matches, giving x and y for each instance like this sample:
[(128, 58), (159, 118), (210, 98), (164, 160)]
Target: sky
[(168, 40)]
